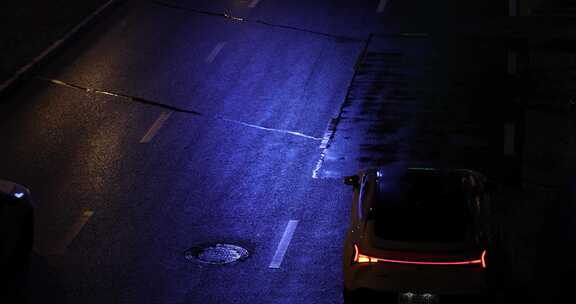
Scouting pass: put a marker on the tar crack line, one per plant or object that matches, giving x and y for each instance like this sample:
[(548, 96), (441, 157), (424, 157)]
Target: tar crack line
[(340, 38), (175, 109)]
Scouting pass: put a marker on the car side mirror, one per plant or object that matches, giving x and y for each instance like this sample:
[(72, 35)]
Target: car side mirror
[(352, 180)]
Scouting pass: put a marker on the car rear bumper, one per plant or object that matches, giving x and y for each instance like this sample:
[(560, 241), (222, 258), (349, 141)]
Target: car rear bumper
[(368, 296), (443, 280)]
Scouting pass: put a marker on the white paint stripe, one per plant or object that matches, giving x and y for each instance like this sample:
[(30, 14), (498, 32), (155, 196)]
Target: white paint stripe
[(328, 134), (155, 127), (512, 62), (215, 52), (319, 165), (283, 245), (325, 140), (53, 47), (269, 129), (62, 246), (513, 8), (509, 141), (381, 6), (253, 3)]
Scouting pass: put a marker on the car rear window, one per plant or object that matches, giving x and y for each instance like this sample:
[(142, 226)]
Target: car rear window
[(429, 207)]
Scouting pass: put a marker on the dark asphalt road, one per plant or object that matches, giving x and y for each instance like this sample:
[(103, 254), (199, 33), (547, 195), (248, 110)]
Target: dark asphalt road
[(170, 126), (230, 174)]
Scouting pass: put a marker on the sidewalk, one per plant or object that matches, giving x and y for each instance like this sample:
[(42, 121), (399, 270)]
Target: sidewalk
[(31, 27)]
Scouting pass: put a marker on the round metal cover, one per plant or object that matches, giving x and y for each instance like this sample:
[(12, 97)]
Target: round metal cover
[(218, 254)]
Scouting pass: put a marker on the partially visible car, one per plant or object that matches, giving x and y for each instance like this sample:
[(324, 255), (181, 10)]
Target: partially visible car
[(16, 239), (418, 235)]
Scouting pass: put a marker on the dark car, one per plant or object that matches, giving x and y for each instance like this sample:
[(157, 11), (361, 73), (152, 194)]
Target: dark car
[(418, 235), (16, 238)]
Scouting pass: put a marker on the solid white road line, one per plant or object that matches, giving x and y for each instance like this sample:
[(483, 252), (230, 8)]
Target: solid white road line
[(381, 6), (319, 164), (328, 135), (269, 129), (155, 127), (509, 134), (215, 52), (253, 3), (62, 245), (283, 245)]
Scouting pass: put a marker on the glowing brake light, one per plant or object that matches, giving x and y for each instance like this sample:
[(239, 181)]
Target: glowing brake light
[(362, 258)]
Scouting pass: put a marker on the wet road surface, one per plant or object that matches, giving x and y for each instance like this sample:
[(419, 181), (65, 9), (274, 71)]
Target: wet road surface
[(177, 124)]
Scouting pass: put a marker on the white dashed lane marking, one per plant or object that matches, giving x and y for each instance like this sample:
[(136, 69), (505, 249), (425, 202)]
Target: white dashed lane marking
[(61, 246), (283, 245), (253, 3), (155, 127), (381, 6), (215, 51)]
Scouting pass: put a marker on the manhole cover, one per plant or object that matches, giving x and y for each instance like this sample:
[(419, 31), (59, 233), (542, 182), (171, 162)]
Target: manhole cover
[(217, 254)]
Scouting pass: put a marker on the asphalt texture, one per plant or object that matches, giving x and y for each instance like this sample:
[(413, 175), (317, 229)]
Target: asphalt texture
[(29, 27), (172, 125)]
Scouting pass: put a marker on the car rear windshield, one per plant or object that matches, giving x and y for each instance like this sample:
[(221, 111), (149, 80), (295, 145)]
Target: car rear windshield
[(426, 208)]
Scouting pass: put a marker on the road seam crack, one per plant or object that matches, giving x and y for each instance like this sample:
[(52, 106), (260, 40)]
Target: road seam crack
[(266, 23), (173, 108), (330, 133)]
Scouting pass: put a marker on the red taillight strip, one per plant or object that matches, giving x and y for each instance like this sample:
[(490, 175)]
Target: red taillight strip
[(356, 253), (369, 259), (428, 263)]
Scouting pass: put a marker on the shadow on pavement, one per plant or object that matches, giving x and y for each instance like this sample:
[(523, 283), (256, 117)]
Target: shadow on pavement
[(44, 282)]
